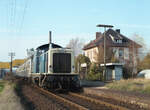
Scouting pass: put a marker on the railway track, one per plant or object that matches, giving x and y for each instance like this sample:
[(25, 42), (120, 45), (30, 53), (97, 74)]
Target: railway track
[(99, 102), (63, 100), (76, 101), (116, 101), (42, 99)]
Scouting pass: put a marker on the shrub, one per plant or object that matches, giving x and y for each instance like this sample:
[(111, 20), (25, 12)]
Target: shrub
[(95, 73), (79, 60), (1, 86)]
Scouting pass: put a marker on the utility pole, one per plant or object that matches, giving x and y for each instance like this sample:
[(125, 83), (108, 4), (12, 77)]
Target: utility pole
[(134, 60), (104, 26), (11, 54)]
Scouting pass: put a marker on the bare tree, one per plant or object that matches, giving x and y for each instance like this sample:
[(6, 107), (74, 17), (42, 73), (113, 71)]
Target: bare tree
[(76, 44), (139, 54), (30, 52), (142, 51)]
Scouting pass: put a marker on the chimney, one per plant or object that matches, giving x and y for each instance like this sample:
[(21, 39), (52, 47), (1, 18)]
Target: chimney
[(98, 34), (118, 30)]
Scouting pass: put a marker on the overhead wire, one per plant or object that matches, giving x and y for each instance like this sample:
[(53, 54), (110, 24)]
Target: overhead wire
[(23, 16), (8, 16), (11, 12), (1, 18), (14, 21), (15, 18)]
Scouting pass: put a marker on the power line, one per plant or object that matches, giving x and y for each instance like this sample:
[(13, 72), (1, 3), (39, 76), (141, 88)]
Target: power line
[(11, 12), (14, 24), (23, 16), (14, 15), (8, 16)]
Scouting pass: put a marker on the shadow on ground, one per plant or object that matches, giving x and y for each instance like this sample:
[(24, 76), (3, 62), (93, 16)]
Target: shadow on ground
[(86, 83), (27, 104)]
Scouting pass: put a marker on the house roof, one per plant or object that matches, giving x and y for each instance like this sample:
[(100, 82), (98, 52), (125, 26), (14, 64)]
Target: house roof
[(112, 37)]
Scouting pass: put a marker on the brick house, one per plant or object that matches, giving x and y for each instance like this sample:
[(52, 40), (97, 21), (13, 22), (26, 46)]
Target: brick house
[(123, 48)]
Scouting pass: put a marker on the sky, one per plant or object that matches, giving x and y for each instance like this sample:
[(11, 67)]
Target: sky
[(25, 24)]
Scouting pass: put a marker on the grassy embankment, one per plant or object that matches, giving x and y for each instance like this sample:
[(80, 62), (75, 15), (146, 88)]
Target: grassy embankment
[(1, 86), (135, 85)]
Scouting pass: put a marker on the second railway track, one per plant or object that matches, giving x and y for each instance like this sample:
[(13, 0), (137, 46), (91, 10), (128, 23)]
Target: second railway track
[(74, 101)]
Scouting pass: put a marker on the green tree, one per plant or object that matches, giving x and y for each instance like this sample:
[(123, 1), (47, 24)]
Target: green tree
[(80, 59), (145, 63)]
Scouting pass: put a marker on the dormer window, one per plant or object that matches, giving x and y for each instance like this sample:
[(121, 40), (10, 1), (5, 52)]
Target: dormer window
[(118, 41), (115, 40)]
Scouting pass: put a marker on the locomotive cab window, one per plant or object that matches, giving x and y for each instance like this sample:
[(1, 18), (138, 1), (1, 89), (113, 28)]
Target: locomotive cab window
[(61, 62)]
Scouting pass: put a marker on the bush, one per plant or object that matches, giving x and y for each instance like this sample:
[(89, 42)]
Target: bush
[(95, 73), (144, 64), (79, 60), (1, 86), (127, 72)]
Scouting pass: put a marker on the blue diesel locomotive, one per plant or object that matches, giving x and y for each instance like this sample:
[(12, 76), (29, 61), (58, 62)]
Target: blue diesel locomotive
[(51, 66)]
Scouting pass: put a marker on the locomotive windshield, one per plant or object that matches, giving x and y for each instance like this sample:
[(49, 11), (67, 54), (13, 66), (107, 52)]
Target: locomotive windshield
[(61, 62)]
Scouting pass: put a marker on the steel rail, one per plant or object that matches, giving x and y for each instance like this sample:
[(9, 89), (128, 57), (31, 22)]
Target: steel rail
[(67, 102), (115, 107)]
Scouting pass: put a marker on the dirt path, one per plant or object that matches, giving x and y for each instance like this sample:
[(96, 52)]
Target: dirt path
[(9, 100)]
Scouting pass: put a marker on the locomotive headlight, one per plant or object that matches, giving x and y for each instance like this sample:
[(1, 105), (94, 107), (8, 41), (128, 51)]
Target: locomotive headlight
[(73, 68), (50, 67)]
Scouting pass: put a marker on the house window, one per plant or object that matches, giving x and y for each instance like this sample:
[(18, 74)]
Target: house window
[(126, 53), (88, 54), (120, 53), (116, 52), (115, 40), (118, 41)]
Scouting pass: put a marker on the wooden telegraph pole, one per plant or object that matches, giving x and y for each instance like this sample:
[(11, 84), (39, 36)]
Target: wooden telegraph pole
[(104, 26), (11, 54)]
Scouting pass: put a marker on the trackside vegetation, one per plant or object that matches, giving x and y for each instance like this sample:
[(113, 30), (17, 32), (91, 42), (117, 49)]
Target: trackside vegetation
[(134, 85), (1, 86)]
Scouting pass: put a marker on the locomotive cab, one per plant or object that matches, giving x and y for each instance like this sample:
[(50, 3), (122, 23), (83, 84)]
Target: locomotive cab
[(61, 61)]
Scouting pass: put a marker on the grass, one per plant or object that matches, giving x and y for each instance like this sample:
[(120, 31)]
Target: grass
[(1, 86), (135, 85)]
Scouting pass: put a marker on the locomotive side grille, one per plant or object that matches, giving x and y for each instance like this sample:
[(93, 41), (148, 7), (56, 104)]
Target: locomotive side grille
[(61, 62)]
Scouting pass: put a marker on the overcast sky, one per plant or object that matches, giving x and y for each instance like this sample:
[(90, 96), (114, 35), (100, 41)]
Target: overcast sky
[(25, 23)]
